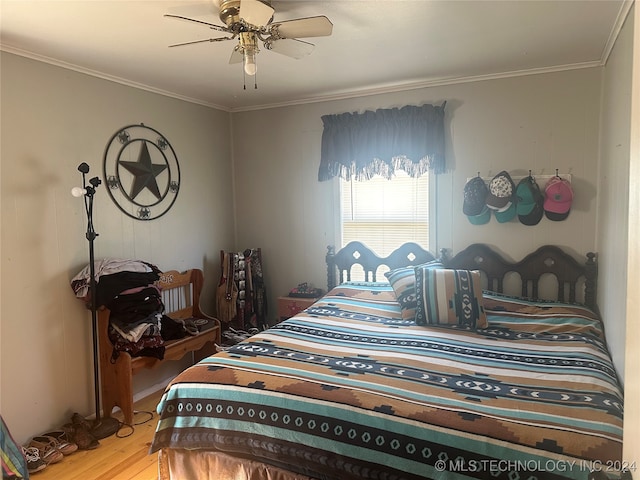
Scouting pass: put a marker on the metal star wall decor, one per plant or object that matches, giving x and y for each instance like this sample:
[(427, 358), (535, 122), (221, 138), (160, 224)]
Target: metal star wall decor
[(142, 172)]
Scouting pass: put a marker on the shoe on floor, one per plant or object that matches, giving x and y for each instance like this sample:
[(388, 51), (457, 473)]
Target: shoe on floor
[(34, 462), (79, 432), (47, 447), (79, 421), (62, 441)]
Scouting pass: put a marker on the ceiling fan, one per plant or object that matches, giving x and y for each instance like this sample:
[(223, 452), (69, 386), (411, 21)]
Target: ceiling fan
[(251, 21)]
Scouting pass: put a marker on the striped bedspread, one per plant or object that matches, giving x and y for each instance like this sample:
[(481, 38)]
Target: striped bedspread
[(349, 390)]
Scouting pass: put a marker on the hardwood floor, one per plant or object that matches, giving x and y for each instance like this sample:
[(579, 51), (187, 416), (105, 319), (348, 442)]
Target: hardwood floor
[(116, 458)]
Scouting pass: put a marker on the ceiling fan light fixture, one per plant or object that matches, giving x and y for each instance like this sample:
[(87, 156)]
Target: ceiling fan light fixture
[(251, 21), (249, 61), (249, 49)]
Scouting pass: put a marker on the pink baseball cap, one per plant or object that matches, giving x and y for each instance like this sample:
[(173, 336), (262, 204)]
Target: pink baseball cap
[(558, 198)]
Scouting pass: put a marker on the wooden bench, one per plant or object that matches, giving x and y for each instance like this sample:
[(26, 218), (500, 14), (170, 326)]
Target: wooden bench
[(181, 298)]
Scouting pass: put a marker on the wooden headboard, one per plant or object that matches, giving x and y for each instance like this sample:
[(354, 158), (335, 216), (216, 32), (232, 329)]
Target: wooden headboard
[(357, 253), (571, 275)]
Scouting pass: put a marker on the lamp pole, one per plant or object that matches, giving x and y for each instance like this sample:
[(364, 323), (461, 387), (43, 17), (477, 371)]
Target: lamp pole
[(102, 428)]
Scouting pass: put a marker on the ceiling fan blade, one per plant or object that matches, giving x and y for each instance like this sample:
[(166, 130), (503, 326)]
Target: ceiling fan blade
[(291, 47), (210, 25), (201, 41), (255, 12), (319, 26), (236, 56)]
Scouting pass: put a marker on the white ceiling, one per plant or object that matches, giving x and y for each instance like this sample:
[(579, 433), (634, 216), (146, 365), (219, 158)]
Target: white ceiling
[(376, 45)]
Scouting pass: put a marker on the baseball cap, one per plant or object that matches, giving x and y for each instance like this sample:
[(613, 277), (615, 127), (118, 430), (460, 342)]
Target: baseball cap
[(506, 214), (529, 201), (558, 198), (501, 191), (483, 217), (475, 194)]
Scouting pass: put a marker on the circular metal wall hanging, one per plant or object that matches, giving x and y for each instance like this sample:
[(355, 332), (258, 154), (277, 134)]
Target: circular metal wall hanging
[(141, 172)]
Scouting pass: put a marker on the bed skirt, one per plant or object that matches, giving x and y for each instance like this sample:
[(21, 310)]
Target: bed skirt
[(179, 464)]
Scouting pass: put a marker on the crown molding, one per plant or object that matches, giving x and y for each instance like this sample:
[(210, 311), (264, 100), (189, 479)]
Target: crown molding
[(347, 94), (105, 76)]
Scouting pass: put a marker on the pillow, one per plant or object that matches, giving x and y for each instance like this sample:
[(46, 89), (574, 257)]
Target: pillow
[(449, 297), (540, 316), (403, 281)]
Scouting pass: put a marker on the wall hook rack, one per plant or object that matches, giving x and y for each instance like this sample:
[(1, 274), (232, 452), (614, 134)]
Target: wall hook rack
[(542, 179)]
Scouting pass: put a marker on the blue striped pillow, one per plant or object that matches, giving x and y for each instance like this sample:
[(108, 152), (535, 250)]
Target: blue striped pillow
[(449, 297), (403, 281)]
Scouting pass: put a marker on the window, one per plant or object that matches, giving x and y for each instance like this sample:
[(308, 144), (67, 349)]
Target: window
[(383, 214)]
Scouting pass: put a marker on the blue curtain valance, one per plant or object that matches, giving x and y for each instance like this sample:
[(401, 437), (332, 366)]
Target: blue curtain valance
[(360, 145)]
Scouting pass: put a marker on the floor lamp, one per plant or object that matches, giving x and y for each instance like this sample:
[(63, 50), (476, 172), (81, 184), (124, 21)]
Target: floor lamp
[(102, 427)]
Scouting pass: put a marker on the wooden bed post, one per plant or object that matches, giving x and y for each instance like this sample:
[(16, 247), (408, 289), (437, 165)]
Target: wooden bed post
[(591, 278), (331, 267)]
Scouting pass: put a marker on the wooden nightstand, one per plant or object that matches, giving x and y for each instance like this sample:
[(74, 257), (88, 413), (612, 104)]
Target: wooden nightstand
[(289, 306)]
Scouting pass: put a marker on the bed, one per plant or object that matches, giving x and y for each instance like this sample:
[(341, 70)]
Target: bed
[(360, 386)]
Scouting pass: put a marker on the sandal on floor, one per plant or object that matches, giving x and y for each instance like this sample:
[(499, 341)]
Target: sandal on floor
[(82, 433), (84, 439), (47, 447), (81, 437), (63, 442), (79, 421)]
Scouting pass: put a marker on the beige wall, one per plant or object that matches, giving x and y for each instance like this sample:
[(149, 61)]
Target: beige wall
[(631, 451), (538, 122), (613, 190), (52, 120), (618, 234)]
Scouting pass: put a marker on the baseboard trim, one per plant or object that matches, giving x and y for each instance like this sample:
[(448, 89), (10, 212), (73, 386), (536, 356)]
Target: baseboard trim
[(152, 389)]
